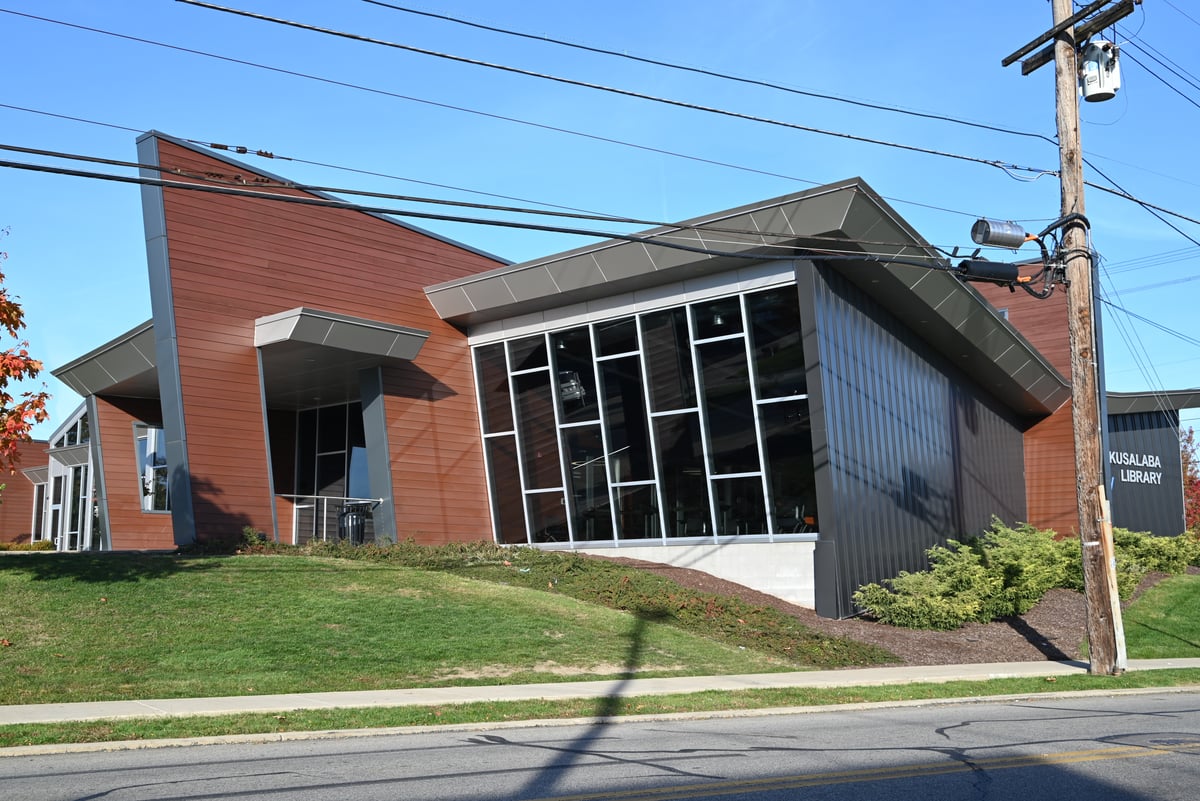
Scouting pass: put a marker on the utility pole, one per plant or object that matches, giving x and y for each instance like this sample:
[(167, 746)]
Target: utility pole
[(1106, 641), (1103, 611)]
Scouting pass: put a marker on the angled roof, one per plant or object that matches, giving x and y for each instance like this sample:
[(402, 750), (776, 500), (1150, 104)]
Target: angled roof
[(123, 366), (311, 356), (214, 152), (840, 217), (1133, 402)]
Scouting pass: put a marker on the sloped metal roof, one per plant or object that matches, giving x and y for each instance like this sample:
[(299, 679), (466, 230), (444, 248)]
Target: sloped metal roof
[(842, 219)]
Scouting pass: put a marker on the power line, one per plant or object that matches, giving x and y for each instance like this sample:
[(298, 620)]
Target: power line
[(1146, 206), (713, 73), (1154, 260), (268, 183), (628, 93), (1143, 203), (614, 90), (1154, 324), (1160, 78), (447, 106), (503, 118), (657, 238), (1162, 59), (1181, 12)]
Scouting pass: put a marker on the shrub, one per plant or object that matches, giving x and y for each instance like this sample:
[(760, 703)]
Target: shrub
[(958, 587), (1003, 572), (1027, 562), (40, 545), (1006, 571)]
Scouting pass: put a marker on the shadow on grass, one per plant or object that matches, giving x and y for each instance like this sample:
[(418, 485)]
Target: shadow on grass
[(101, 568), (1167, 634)]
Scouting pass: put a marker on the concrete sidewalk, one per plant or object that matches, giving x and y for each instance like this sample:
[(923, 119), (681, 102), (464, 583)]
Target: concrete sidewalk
[(430, 696)]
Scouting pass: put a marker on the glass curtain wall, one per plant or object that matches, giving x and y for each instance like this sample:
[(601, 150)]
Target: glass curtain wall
[(67, 512), (687, 422)]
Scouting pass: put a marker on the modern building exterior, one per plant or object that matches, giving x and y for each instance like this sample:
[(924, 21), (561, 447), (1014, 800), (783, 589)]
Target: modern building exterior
[(777, 393)]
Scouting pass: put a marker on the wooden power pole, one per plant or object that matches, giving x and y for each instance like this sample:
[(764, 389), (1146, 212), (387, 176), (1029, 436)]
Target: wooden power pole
[(1103, 611), (1106, 641)]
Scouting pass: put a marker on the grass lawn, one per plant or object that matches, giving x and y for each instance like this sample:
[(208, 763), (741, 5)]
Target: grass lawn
[(1165, 622), (80, 627), (117, 626)]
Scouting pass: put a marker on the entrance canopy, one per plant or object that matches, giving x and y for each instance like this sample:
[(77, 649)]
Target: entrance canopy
[(313, 357)]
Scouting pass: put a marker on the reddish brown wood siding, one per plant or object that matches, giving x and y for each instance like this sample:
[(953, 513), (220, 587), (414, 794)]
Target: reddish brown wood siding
[(16, 499), (1050, 473), (129, 527), (233, 260), (1049, 445), (1042, 322)]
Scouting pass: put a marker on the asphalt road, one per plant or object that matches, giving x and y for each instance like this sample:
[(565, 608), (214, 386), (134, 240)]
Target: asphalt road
[(1099, 748)]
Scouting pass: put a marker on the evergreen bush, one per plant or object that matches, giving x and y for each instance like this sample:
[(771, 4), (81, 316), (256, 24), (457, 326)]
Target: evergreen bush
[(1005, 571)]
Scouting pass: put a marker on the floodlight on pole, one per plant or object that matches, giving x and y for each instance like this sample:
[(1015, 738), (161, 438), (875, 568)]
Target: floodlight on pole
[(998, 233)]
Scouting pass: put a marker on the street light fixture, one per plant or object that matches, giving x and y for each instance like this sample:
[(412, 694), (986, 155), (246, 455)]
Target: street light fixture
[(998, 233)]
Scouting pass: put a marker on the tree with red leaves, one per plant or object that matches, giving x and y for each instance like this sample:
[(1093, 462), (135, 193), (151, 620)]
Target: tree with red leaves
[(1191, 478), (19, 412)]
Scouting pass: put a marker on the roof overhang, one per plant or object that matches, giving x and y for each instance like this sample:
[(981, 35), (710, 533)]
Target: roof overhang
[(1135, 402), (313, 357), (37, 475), (124, 366), (842, 219), (714, 243), (72, 455)]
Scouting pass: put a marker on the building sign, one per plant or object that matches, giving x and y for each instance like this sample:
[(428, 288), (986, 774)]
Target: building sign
[(1145, 482), (1136, 468)]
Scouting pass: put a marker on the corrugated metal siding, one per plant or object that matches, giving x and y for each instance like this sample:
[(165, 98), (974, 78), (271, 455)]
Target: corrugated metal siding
[(1146, 485), (909, 451)]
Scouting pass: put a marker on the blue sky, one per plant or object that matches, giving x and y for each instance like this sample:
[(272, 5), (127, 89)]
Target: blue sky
[(424, 126)]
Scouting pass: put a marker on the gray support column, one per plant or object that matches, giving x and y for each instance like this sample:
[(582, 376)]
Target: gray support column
[(99, 485), (262, 397), (826, 567), (166, 351), (379, 460)]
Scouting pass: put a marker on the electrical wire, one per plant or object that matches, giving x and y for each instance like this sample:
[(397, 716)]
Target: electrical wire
[(1143, 203), (556, 129), (1153, 210), (613, 90), (449, 107), (1162, 60), (1182, 12), (713, 73), (1153, 324), (1154, 74), (237, 180), (1154, 260), (656, 238), (1133, 342)]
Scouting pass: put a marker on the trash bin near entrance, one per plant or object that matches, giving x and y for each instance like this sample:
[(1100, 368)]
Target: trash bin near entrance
[(352, 522)]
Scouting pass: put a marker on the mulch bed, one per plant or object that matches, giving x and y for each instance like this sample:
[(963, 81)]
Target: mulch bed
[(1053, 630)]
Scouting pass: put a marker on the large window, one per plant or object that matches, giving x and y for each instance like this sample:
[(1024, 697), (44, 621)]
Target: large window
[(331, 452), (152, 467), (683, 422)]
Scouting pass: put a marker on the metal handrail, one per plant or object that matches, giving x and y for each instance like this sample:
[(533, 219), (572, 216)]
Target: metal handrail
[(323, 502)]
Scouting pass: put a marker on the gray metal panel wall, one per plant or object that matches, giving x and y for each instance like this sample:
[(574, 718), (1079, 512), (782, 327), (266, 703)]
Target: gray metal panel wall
[(908, 450), (1146, 484)]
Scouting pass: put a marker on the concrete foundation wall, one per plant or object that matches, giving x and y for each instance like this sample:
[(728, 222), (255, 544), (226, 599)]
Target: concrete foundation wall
[(782, 569)]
